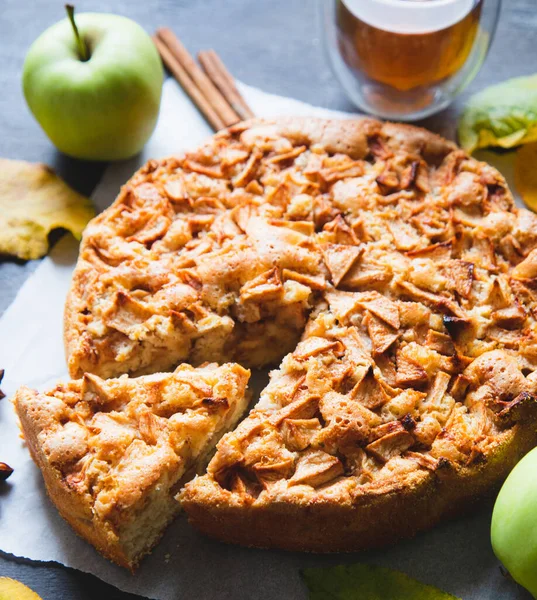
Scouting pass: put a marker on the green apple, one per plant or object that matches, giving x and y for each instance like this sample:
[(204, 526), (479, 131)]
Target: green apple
[(514, 523), (94, 86)]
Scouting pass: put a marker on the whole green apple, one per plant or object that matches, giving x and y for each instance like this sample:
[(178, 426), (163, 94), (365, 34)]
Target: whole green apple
[(95, 86), (514, 523)]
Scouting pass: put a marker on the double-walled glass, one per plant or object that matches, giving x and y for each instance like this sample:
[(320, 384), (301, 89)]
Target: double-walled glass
[(406, 59)]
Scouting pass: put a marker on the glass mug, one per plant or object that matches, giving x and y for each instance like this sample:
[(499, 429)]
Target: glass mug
[(407, 59)]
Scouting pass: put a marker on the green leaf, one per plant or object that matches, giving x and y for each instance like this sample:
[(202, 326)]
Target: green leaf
[(503, 115), (367, 582)]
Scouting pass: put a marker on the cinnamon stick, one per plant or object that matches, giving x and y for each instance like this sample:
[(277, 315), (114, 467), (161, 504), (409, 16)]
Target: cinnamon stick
[(223, 80), (184, 80), (219, 104)]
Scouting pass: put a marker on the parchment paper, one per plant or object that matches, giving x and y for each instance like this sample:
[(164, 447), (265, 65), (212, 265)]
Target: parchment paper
[(456, 556)]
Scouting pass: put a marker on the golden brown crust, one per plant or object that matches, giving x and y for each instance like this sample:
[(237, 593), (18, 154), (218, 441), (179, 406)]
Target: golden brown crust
[(307, 524), (353, 136), (113, 453)]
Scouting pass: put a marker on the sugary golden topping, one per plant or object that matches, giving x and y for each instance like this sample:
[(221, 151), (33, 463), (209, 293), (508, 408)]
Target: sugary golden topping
[(344, 419), (415, 268), (112, 441), (221, 253)]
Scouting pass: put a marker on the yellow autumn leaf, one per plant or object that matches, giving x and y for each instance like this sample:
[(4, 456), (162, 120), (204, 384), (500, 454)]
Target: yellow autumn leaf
[(15, 590), (33, 202), (526, 174)]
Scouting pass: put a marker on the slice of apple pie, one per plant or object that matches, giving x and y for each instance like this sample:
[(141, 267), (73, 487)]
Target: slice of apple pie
[(114, 453)]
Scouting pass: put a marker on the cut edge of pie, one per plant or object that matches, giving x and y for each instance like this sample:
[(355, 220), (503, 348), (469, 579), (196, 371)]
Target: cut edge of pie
[(113, 453)]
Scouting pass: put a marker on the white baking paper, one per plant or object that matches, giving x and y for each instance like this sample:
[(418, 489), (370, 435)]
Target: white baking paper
[(457, 556)]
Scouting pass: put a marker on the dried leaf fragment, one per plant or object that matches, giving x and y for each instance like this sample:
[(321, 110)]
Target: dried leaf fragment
[(33, 202)]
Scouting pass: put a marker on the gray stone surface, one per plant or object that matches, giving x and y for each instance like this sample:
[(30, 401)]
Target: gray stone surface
[(273, 45)]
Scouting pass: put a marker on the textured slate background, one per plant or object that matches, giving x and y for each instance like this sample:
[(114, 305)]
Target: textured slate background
[(273, 45)]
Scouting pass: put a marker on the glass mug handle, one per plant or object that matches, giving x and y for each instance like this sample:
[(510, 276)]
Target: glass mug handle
[(407, 59)]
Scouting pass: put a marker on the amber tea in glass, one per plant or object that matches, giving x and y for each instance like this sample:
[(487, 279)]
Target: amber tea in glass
[(407, 58)]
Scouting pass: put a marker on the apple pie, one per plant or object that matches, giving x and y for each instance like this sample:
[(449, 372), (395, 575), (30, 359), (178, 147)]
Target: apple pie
[(349, 449), (391, 272), (115, 452)]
